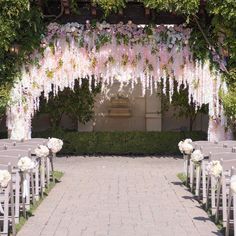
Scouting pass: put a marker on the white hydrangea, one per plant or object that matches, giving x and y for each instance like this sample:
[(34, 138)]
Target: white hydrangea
[(180, 146), (42, 151), (5, 177), (25, 164), (233, 183), (55, 144), (188, 140), (186, 146), (214, 168), (197, 156)]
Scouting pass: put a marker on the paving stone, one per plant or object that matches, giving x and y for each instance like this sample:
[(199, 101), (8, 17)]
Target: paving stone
[(114, 196)]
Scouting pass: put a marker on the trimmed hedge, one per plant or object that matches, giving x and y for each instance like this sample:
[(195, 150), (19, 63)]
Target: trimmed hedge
[(121, 143)]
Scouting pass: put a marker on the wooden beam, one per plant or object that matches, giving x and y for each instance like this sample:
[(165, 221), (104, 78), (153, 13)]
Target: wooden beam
[(66, 6), (93, 9)]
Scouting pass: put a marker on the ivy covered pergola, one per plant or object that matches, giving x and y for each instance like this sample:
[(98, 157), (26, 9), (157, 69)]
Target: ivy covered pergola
[(132, 54), (166, 42)]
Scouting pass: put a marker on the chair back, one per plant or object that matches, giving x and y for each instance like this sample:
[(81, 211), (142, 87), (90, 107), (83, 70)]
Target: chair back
[(224, 156), (207, 151)]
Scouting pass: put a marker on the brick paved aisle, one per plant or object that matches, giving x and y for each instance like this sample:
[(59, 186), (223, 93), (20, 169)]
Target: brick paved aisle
[(119, 196)]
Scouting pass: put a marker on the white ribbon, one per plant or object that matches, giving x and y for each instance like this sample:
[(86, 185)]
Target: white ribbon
[(25, 188)]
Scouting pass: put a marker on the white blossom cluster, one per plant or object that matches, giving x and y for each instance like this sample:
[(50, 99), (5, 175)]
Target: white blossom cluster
[(55, 144), (197, 156), (25, 164), (5, 177), (185, 146), (42, 151), (214, 168)]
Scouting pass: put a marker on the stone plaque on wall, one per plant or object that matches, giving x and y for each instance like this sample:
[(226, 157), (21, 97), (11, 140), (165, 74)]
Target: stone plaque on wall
[(119, 107)]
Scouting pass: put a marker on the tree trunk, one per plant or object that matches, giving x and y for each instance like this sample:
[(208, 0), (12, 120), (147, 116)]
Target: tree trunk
[(191, 122)]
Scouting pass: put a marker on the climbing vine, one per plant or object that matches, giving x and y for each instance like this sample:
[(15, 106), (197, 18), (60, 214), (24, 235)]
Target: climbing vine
[(21, 28)]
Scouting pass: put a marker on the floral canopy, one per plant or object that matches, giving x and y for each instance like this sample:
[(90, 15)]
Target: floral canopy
[(128, 53)]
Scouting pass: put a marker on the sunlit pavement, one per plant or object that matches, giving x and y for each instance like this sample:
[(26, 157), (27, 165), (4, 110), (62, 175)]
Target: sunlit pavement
[(119, 196)]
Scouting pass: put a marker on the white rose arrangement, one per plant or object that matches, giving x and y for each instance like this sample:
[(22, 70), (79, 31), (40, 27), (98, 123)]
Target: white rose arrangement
[(42, 151), (214, 168), (197, 156), (25, 164), (55, 145), (185, 146), (5, 177)]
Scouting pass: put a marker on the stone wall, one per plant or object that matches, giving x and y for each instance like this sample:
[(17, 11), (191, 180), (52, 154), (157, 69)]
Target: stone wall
[(145, 115)]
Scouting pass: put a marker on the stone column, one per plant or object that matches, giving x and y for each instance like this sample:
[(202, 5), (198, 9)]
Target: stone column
[(153, 112)]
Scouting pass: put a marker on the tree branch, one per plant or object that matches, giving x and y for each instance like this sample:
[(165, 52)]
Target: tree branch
[(208, 42)]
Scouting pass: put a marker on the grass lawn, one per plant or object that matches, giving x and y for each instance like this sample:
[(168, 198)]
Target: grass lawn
[(57, 175)]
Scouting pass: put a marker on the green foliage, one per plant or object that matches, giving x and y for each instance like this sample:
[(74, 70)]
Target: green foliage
[(223, 9), (224, 23), (230, 104), (198, 44), (78, 104), (4, 97), (182, 107), (110, 5), (121, 143), (11, 12), (229, 99), (21, 25), (182, 177), (188, 7)]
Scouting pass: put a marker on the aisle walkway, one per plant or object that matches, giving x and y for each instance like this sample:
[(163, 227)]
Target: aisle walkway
[(119, 196)]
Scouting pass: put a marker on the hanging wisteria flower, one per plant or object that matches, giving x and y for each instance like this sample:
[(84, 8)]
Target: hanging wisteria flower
[(25, 164), (55, 144), (42, 151), (214, 168), (129, 53), (197, 156), (233, 184), (5, 177)]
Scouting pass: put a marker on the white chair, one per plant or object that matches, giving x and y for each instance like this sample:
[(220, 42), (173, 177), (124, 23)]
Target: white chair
[(231, 200), (223, 187), (7, 202)]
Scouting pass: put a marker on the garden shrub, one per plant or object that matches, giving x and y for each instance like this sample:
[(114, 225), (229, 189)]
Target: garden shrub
[(121, 143)]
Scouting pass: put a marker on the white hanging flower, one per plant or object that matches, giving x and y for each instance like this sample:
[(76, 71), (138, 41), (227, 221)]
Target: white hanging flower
[(55, 144), (197, 156), (233, 184), (214, 168), (5, 177), (25, 164), (42, 151)]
